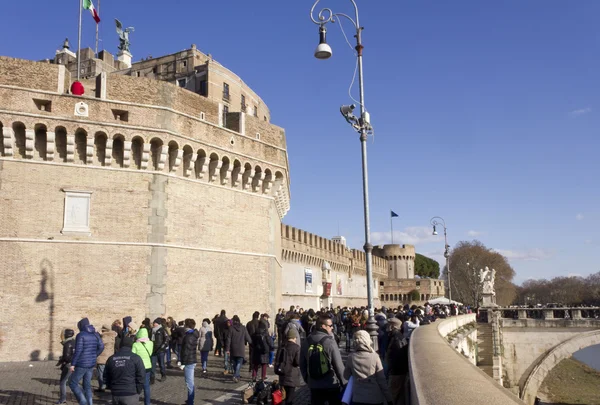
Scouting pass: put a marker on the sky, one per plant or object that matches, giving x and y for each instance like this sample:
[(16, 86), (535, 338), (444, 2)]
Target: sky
[(485, 113)]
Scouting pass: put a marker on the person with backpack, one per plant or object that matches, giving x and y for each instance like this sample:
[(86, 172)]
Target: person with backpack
[(294, 324), (161, 340), (262, 344), (68, 343), (287, 367), (205, 344), (88, 346), (144, 347), (364, 366), (322, 367), (397, 360)]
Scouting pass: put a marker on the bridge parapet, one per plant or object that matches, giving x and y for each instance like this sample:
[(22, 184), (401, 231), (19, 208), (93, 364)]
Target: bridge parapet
[(574, 313), (432, 359)]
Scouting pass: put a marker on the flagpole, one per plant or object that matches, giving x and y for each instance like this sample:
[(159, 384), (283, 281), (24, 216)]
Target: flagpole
[(392, 225), (97, 24), (79, 42)]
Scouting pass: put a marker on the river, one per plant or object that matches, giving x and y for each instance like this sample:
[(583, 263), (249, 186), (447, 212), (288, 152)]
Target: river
[(590, 356)]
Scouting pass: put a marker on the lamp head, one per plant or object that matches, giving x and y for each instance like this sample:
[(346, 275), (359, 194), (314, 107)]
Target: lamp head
[(323, 50), (434, 231)]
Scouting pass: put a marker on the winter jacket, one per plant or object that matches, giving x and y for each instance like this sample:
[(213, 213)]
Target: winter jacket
[(206, 338), (144, 347), (68, 349), (160, 340), (108, 339), (189, 354), (88, 345), (220, 326), (261, 340), (397, 354), (127, 330), (335, 377), (252, 326), (124, 373), (298, 330), (292, 358), (178, 335), (370, 385), (236, 344)]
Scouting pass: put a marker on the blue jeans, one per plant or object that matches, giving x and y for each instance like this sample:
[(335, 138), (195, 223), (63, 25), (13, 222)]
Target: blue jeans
[(204, 359), (160, 357), (271, 357), (147, 387), (188, 371), (168, 352), (227, 362), (237, 365), (65, 373), (84, 397), (178, 352), (100, 372)]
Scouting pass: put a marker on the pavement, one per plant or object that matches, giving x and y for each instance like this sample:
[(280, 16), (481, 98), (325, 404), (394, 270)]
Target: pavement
[(36, 383)]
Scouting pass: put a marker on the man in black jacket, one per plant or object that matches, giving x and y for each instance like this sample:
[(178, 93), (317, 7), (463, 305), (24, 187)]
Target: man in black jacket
[(252, 328), (189, 357), (220, 325), (397, 360), (124, 374), (236, 346), (161, 345)]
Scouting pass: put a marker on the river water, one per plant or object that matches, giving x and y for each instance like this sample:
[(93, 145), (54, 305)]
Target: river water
[(590, 356)]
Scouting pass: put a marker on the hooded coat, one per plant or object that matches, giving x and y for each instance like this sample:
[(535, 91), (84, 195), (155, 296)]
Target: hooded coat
[(262, 345), (68, 348), (189, 354), (236, 344), (88, 345), (206, 338), (108, 339), (143, 347)]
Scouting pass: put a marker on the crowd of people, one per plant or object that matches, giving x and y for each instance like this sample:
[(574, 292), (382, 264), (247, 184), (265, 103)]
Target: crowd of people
[(302, 346)]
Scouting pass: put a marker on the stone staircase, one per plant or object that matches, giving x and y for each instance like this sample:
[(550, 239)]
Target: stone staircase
[(485, 348)]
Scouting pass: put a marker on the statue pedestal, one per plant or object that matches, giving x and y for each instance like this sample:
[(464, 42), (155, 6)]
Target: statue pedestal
[(125, 57), (488, 300)]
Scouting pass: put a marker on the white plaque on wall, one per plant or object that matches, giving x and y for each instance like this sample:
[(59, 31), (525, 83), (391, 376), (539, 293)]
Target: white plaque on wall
[(77, 212), (308, 280)]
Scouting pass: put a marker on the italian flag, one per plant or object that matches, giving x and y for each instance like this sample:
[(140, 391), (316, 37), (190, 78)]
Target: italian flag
[(88, 5)]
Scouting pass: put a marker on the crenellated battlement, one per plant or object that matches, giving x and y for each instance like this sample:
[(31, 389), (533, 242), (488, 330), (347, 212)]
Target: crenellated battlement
[(301, 246)]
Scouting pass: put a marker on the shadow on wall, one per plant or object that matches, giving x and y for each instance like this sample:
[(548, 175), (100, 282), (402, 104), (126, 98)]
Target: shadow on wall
[(46, 283)]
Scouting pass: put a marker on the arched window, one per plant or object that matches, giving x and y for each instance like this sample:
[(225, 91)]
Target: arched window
[(156, 146), (19, 130), (267, 182), (118, 150), (173, 151), (188, 154), (235, 173), (137, 150), (61, 143), (80, 146), (213, 166), (100, 141), (246, 180), (256, 180), (41, 142), (201, 165), (2, 151), (225, 170)]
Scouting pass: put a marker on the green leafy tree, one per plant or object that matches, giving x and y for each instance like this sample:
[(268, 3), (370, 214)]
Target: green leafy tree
[(426, 267), (414, 295)]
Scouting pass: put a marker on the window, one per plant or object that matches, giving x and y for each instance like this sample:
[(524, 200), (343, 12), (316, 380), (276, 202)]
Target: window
[(225, 112), (77, 212), (43, 105), (120, 115), (185, 63), (137, 74), (225, 92), (203, 88), (202, 115), (258, 136), (243, 103), (256, 111), (182, 82)]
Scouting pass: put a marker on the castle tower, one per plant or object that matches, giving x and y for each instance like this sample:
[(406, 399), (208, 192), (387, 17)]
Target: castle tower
[(401, 260)]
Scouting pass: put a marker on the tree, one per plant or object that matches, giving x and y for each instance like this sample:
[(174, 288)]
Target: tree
[(414, 295), (466, 259), (426, 267), (561, 290)]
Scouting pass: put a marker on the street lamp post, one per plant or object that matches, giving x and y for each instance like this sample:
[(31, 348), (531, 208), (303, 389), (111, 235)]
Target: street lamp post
[(437, 221), (363, 126)]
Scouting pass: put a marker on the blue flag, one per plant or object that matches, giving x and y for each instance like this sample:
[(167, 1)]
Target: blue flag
[(394, 214)]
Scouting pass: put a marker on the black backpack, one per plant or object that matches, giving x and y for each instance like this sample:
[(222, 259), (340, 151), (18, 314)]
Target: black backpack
[(262, 393), (283, 366)]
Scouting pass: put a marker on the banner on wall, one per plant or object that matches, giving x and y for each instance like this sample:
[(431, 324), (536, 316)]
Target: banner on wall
[(339, 284), (308, 280)]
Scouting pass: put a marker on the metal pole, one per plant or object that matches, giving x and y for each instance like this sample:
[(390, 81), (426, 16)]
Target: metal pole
[(447, 254), (79, 42), (392, 226), (97, 25)]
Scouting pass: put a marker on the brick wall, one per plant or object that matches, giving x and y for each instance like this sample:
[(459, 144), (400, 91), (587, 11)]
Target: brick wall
[(29, 74)]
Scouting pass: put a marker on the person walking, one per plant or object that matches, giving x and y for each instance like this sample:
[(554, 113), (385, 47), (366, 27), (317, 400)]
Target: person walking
[(287, 367), (236, 346), (226, 336), (252, 328), (143, 347), (205, 344), (262, 345), (108, 339), (88, 346), (68, 343), (322, 368), (125, 374), (160, 339), (294, 324), (169, 328), (220, 324), (397, 360), (364, 365), (189, 357)]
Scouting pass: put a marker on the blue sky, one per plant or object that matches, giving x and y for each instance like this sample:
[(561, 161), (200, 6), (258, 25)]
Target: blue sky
[(485, 113)]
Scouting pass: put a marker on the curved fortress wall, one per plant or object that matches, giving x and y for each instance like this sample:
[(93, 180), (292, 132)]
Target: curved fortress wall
[(127, 206), (304, 255)]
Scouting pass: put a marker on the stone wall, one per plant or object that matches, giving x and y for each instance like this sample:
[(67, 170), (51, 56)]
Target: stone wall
[(29, 74)]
